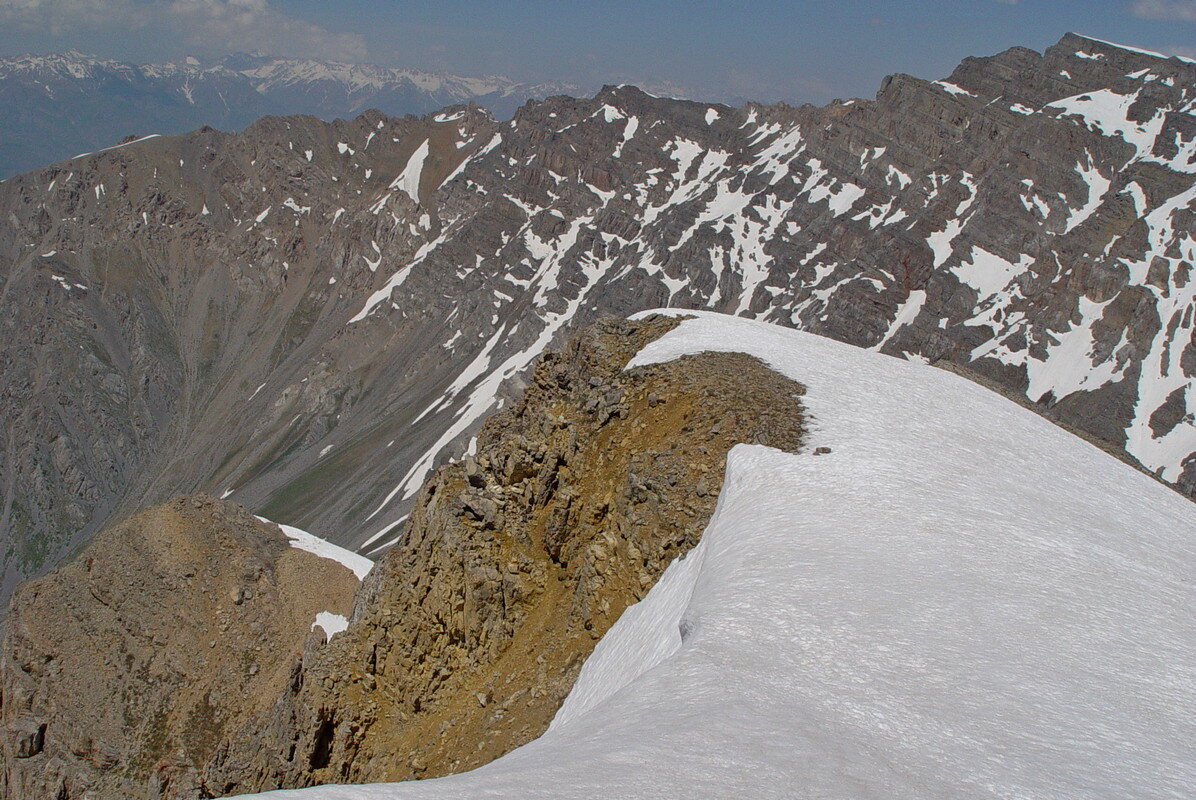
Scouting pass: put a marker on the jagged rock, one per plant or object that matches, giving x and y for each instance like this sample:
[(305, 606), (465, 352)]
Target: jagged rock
[(480, 507), (471, 634), (27, 737)]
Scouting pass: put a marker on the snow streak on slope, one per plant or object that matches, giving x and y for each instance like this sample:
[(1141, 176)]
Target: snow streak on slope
[(408, 179), (959, 600), (358, 565)]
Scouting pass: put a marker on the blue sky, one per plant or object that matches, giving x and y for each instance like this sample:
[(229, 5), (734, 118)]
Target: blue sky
[(793, 51)]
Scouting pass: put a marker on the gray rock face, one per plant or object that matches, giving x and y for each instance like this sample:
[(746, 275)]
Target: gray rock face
[(312, 315), (69, 103)]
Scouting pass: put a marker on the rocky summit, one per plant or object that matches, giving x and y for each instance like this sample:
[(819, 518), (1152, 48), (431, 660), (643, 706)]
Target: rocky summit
[(307, 317)]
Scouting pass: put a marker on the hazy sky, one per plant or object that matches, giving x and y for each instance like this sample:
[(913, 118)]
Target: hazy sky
[(770, 50)]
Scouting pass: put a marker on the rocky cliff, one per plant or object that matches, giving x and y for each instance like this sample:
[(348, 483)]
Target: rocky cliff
[(310, 316), (127, 668), (465, 637)]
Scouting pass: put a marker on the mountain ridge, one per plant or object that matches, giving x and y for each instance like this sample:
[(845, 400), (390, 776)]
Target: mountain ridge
[(868, 590)]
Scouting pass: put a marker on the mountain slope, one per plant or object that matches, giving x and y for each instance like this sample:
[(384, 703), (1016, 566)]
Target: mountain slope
[(67, 103), (131, 662), (958, 600), (309, 316)]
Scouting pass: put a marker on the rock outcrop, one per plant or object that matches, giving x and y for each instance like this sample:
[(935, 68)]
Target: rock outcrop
[(124, 670), (313, 315), (469, 633), (174, 661)]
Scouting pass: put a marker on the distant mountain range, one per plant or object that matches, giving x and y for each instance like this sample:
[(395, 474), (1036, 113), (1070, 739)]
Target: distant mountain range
[(62, 104)]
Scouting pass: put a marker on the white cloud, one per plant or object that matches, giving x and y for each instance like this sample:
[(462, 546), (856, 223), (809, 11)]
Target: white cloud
[(59, 18), (225, 25), (1176, 10)]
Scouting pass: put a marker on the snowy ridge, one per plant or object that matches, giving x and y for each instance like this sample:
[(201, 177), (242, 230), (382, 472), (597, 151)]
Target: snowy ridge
[(79, 103), (1138, 50), (366, 77), (269, 74), (959, 600)]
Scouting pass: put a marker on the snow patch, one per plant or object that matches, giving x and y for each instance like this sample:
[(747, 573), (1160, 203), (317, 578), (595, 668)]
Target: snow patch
[(301, 539), (408, 180), (953, 89), (1107, 113), (330, 623)]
